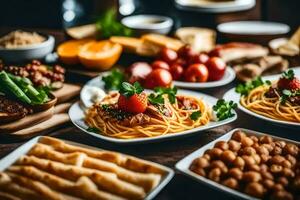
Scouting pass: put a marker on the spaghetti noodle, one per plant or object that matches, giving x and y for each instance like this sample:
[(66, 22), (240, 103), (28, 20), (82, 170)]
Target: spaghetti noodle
[(157, 120), (272, 107)]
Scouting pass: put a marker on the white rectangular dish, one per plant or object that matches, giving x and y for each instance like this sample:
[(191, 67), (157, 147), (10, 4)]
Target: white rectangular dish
[(11, 158), (184, 164)]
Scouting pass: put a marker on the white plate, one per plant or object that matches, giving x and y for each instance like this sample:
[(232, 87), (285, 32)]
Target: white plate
[(227, 78), (76, 114), (215, 7), (234, 96), (184, 164), (253, 28), (11, 158)]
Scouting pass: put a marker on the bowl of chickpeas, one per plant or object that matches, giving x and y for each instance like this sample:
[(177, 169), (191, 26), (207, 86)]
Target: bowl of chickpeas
[(248, 164)]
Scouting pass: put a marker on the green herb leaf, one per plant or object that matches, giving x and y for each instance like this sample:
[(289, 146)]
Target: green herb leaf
[(224, 109), (244, 89), (195, 115), (289, 74), (128, 90), (155, 99), (114, 80), (171, 92)]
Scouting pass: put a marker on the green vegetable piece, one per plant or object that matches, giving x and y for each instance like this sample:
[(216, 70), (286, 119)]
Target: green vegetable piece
[(224, 109), (114, 80), (195, 115), (289, 74), (128, 90), (244, 89)]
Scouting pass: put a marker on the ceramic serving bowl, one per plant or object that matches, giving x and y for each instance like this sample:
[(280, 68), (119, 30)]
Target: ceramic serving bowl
[(45, 106), (30, 52), (142, 24)]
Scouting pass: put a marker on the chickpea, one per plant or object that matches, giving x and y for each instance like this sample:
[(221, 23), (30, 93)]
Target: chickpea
[(215, 174), (277, 187), (201, 162), (291, 158), (255, 145), (268, 183), (238, 135), (255, 189), (268, 146), (247, 142), (222, 145), (267, 175), (198, 171), (249, 160), (249, 151), (265, 139), (251, 176), (286, 164), (277, 159), (280, 143), (287, 172), (231, 183), (239, 162), (282, 195), (262, 150), (219, 164), (277, 150), (254, 138), (256, 158), (215, 153), (276, 168), (206, 156), (291, 149), (265, 158), (234, 145), (235, 173), (228, 156), (264, 167), (254, 168), (283, 181)]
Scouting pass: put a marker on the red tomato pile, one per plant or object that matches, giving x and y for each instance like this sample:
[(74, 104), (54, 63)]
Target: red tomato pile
[(184, 65)]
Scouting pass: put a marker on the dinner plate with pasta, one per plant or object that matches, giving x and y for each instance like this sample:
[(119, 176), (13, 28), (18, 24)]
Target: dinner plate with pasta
[(273, 98), (134, 115)]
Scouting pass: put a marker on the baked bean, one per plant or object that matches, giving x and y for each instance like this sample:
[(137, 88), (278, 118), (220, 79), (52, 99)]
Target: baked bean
[(265, 139), (249, 160), (254, 138), (277, 159), (255, 145), (222, 145), (239, 162), (282, 180), (265, 158), (257, 158), (234, 145), (231, 183), (249, 151), (268, 183), (228, 156), (277, 150), (282, 195), (255, 189), (199, 171), (215, 174), (291, 149), (251, 176), (254, 168), (206, 156), (286, 164), (268, 146), (288, 172), (276, 168), (262, 150), (267, 175), (246, 142), (280, 143), (201, 162), (219, 164), (264, 167), (235, 173), (238, 135), (291, 158), (215, 153)]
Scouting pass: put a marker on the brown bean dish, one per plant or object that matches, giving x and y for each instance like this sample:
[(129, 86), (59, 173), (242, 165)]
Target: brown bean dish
[(258, 166)]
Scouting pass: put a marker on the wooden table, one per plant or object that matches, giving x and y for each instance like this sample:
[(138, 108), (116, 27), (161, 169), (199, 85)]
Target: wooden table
[(167, 152)]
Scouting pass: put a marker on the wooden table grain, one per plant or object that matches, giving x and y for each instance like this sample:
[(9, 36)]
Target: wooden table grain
[(166, 152)]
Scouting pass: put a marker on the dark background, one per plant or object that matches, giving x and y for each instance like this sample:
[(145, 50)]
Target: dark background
[(49, 13)]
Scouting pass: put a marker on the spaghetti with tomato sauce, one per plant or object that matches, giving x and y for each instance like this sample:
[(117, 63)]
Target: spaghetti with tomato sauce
[(157, 120)]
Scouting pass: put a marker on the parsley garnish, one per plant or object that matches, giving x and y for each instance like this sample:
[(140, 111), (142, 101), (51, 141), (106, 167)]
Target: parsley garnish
[(157, 97), (289, 74), (224, 109), (244, 89), (114, 80), (128, 90), (195, 115), (286, 94), (115, 113)]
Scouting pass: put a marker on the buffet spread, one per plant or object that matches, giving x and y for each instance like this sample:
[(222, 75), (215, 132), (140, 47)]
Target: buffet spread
[(149, 100)]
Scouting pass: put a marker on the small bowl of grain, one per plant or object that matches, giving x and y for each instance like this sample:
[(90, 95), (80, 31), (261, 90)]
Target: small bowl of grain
[(18, 46)]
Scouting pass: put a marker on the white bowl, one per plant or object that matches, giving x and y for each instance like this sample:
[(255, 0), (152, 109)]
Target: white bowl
[(143, 23), (30, 52)]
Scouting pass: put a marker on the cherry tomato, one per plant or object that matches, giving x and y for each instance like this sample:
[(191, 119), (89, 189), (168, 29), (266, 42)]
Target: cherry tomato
[(182, 62), (200, 58), (176, 71), (138, 71), (158, 78), (159, 64), (216, 68), (186, 52), (196, 73), (168, 55)]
